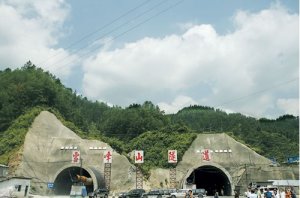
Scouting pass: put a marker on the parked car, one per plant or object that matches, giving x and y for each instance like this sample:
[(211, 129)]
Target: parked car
[(135, 193), (100, 192), (199, 192), (167, 192), (153, 194), (180, 193), (159, 193)]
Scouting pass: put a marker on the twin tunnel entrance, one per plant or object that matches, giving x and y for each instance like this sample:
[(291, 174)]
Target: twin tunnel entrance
[(211, 178)]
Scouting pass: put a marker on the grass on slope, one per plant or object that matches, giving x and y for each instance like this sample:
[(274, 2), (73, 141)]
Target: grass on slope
[(13, 138)]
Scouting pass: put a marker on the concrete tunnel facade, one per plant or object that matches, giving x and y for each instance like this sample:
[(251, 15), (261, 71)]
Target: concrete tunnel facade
[(47, 158), (63, 178), (210, 176), (44, 161)]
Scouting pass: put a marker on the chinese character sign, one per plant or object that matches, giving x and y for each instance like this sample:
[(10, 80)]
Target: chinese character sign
[(206, 156), (76, 157), (139, 157), (172, 156), (107, 157)]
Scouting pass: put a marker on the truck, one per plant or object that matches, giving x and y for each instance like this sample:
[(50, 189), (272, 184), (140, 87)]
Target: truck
[(78, 191), (99, 193)]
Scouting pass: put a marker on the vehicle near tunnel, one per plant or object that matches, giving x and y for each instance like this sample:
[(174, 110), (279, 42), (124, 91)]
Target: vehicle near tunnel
[(180, 193), (78, 191), (167, 192), (199, 192), (135, 193), (153, 194), (100, 192)]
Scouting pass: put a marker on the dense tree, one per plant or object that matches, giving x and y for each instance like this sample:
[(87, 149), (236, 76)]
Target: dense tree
[(24, 88), (132, 121), (132, 127), (156, 144)]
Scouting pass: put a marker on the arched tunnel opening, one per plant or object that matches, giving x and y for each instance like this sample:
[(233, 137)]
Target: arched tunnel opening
[(66, 178), (212, 179)]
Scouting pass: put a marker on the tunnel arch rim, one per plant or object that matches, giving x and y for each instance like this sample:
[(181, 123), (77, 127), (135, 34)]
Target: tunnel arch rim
[(89, 170), (215, 165)]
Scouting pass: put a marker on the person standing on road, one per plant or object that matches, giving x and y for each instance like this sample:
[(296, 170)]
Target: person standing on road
[(189, 194), (236, 194), (260, 193), (247, 194), (269, 194), (293, 193), (276, 194), (282, 193), (288, 193), (252, 194), (216, 195)]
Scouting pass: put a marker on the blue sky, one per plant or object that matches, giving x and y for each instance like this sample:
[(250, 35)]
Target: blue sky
[(239, 56)]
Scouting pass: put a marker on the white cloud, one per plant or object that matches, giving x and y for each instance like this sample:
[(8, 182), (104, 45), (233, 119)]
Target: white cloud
[(30, 30), (289, 106), (186, 26), (204, 66), (178, 103)]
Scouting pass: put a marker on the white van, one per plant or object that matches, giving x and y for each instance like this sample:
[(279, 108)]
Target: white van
[(180, 193), (78, 191)]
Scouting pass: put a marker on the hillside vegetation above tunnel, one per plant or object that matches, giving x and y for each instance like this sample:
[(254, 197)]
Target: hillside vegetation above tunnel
[(25, 92)]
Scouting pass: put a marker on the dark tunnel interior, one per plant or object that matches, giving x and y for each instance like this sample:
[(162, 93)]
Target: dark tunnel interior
[(66, 178), (211, 179)]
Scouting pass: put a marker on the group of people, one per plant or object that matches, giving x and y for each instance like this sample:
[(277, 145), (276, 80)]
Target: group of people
[(275, 193), (189, 194)]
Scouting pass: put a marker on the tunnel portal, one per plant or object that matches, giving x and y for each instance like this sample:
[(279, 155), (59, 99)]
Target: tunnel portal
[(212, 179), (66, 178)]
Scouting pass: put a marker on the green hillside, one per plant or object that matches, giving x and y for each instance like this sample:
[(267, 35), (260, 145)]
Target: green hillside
[(26, 91), (276, 139)]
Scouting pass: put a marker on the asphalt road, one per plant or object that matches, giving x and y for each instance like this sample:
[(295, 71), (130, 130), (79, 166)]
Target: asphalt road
[(54, 196)]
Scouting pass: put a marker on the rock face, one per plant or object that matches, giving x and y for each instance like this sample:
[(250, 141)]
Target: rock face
[(45, 161), (230, 165)]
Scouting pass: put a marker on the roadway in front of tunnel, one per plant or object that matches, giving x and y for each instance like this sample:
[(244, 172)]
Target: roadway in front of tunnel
[(67, 196)]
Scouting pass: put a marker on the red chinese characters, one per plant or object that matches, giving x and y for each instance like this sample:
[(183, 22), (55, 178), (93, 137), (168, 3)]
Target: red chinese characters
[(107, 157), (206, 156), (75, 157), (172, 156), (139, 157)]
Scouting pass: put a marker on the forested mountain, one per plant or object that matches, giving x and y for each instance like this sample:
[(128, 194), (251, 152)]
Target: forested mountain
[(26, 91), (276, 139)]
